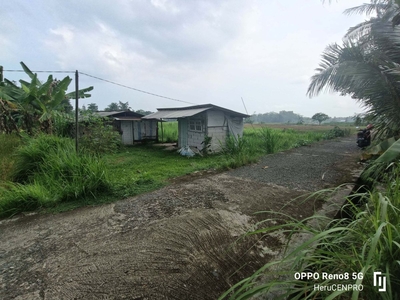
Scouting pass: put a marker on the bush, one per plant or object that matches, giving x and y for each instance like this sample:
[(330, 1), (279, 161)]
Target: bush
[(269, 140), (48, 171), (99, 137), (336, 132), (33, 154)]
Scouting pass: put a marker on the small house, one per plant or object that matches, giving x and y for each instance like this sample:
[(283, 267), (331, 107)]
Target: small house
[(197, 122), (132, 126)]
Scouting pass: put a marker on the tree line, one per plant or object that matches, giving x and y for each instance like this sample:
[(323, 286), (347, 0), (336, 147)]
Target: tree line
[(293, 118), (114, 106)]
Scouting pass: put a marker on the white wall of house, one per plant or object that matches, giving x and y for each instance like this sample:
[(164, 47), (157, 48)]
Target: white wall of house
[(212, 123), (127, 132), (217, 129), (148, 129), (134, 131), (196, 127)]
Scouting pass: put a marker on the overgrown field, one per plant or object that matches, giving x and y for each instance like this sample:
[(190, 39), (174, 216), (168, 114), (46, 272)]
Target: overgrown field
[(45, 172)]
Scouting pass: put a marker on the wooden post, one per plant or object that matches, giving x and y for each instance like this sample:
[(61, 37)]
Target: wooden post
[(162, 132), (1, 73), (76, 109)]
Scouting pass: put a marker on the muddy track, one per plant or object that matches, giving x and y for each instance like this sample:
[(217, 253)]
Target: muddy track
[(174, 243)]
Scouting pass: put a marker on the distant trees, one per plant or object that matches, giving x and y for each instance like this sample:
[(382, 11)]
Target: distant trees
[(120, 106), (143, 112), (92, 107), (320, 117), (273, 117)]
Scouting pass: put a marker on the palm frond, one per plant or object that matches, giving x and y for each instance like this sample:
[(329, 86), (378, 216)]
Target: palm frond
[(367, 8)]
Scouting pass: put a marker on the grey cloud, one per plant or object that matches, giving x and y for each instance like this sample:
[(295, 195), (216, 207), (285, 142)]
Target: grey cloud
[(195, 31)]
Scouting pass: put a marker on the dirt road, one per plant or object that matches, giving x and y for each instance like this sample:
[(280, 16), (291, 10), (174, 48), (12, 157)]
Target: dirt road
[(174, 243)]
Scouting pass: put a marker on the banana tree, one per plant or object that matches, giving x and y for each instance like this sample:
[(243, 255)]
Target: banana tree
[(40, 102)]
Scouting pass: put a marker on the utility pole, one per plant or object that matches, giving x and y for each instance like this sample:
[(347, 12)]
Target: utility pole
[(76, 109)]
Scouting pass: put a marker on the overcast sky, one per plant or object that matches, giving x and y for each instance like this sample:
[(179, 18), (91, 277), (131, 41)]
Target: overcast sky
[(199, 51)]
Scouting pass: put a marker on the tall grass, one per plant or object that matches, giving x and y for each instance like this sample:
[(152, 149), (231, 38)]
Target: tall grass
[(259, 141), (168, 132), (8, 144), (358, 248), (48, 171)]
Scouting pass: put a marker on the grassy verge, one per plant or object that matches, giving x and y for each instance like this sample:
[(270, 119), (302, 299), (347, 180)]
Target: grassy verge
[(48, 174)]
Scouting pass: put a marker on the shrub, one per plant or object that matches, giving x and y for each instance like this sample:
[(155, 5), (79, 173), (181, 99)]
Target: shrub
[(99, 137), (269, 140), (49, 171), (34, 152), (337, 132)]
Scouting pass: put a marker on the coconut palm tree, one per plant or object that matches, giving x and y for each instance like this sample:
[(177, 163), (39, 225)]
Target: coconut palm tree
[(366, 67)]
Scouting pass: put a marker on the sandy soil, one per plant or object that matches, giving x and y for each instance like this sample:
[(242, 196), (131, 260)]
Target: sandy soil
[(174, 243)]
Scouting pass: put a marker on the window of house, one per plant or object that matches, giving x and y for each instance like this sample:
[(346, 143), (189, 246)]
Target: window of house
[(195, 125)]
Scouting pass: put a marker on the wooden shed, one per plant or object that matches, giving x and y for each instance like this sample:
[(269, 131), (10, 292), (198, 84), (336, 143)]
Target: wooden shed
[(197, 122), (132, 126)]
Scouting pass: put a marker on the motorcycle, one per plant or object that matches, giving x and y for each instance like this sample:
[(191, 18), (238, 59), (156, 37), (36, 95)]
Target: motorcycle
[(364, 137)]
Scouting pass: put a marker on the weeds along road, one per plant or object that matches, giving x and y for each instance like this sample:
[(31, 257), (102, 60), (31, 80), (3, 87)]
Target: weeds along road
[(174, 243)]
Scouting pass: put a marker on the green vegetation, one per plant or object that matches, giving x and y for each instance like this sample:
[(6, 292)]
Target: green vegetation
[(34, 106), (364, 67), (320, 117), (8, 144), (168, 132), (99, 135), (47, 173), (359, 247)]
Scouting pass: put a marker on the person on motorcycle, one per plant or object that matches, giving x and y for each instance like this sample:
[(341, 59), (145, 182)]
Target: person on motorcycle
[(364, 136)]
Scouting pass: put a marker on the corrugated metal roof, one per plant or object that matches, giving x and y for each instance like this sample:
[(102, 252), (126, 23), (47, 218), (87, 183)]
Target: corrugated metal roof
[(106, 113), (127, 119), (119, 114), (182, 112), (175, 114)]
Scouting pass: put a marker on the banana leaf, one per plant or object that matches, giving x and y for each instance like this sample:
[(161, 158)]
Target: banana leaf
[(391, 154)]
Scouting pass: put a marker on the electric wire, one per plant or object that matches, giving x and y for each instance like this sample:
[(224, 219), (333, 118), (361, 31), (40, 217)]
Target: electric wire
[(108, 81), (135, 89)]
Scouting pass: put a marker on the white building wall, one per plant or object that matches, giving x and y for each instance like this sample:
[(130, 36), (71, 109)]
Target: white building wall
[(127, 132), (195, 139), (217, 129), (218, 135)]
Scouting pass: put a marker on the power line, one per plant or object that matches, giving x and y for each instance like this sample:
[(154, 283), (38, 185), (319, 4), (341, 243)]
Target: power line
[(109, 81), (132, 88), (40, 71)]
